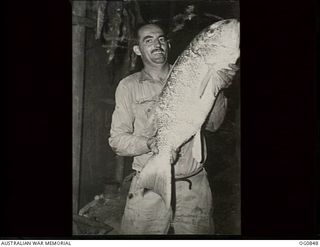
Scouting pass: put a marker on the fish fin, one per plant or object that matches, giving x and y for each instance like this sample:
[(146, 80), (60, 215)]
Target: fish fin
[(205, 82), (171, 68), (196, 149), (213, 75), (156, 176)]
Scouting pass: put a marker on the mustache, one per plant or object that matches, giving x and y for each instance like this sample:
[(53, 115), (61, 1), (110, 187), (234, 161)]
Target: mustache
[(156, 50)]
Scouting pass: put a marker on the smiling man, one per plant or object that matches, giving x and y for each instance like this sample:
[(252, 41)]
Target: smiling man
[(132, 134), (152, 47)]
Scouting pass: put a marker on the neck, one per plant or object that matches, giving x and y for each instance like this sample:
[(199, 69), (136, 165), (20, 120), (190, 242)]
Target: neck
[(158, 72)]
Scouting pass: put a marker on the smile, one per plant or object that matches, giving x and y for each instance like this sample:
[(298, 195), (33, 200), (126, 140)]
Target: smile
[(157, 52)]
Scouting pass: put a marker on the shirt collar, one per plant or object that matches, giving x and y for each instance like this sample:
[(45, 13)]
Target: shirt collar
[(144, 76)]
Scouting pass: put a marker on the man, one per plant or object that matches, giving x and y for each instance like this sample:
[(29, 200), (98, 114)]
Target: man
[(132, 134)]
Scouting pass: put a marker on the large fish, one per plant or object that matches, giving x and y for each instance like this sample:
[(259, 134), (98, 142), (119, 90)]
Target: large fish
[(187, 98)]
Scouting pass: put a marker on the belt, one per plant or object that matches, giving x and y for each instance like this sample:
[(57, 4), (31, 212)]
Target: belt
[(186, 178)]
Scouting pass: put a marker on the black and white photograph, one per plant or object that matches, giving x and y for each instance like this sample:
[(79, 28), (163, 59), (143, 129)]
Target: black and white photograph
[(156, 117), (161, 120)]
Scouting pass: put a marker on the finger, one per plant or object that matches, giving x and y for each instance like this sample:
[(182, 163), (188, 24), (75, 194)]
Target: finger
[(223, 71), (155, 150), (234, 67), (149, 143), (224, 76), (228, 72), (154, 147)]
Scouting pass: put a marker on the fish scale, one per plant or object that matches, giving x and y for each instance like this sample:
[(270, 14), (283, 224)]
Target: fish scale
[(187, 98)]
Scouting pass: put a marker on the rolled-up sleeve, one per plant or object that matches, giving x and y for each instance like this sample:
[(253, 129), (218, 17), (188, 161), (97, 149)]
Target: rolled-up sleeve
[(122, 140)]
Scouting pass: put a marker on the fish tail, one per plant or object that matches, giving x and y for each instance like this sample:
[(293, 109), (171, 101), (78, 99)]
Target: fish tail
[(156, 176)]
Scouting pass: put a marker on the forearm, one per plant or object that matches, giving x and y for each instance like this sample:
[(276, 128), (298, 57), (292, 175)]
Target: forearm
[(126, 144)]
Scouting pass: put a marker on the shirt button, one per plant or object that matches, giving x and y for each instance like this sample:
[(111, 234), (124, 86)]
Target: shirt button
[(148, 110), (130, 195)]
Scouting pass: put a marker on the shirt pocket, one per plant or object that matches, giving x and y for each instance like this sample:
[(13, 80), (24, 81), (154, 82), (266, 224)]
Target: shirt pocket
[(144, 110)]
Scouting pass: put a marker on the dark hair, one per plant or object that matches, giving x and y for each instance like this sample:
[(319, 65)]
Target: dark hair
[(136, 32), (140, 25)]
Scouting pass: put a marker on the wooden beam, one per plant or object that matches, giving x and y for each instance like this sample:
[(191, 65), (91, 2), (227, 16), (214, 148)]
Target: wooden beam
[(78, 62), (119, 170)]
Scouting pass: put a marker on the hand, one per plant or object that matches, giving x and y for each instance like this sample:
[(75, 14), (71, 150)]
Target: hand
[(152, 145), (228, 74)]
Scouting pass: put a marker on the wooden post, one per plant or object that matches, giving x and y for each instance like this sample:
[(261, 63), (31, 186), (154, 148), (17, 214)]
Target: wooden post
[(119, 172), (78, 62)]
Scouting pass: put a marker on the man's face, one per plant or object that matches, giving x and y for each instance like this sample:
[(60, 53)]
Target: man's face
[(152, 46)]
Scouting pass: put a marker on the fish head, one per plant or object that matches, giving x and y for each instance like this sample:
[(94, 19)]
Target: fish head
[(219, 39)]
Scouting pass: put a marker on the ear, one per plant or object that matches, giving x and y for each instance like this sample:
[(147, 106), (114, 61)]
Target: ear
[(169, 45), (136, 50)]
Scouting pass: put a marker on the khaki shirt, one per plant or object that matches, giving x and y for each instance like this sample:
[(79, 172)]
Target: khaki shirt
[(131, 126)]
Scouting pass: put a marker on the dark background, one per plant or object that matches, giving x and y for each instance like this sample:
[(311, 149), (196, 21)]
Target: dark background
[(278, 120)]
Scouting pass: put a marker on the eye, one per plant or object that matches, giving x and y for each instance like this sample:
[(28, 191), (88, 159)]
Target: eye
[(162, 39), (148, 41)]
